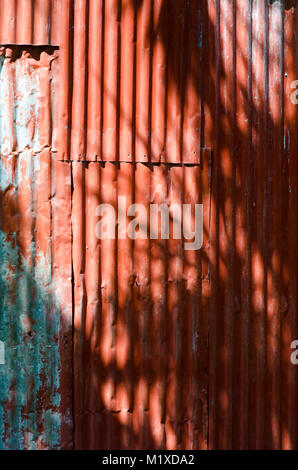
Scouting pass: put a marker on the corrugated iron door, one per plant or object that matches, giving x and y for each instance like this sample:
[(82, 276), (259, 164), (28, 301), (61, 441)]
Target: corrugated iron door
[(140, 305), (141, 317), (35, 256)]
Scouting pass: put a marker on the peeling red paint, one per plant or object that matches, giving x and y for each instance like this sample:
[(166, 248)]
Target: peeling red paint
[(172, 349)]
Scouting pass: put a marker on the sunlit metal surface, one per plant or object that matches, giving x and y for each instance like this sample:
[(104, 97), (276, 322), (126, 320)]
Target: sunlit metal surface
[(171, 349)]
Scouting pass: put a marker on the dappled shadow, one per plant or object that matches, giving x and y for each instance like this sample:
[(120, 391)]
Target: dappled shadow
[(177, 349), (150, 332)]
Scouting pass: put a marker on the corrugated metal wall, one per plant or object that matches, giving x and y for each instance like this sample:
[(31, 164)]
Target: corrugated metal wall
[(35, 253), (30, 22), (172, 348)]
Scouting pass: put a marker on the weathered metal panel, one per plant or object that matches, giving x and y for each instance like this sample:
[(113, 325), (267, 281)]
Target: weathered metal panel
[(140, 320), (248, 52), (164, 357), (253, 127), (35, 280), (29, 85), (30, 22), (135, 69)]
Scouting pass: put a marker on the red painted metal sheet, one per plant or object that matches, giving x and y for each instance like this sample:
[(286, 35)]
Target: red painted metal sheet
[(29, 79), (172, 348), (35, 279), (30, 22), (140, 319), (136, 66)]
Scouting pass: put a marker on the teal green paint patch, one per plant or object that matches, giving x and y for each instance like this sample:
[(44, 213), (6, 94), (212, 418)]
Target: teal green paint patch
[(29, 379)]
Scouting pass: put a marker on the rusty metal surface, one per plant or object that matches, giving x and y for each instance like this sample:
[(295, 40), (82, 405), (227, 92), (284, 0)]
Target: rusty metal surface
[(35, 251), (140, 314), (135, 69), (171, 349), (30, 22), (253, 256)]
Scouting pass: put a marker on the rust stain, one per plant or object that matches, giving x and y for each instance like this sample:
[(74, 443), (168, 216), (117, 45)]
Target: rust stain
[(35, 277), (171, 349)]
